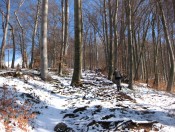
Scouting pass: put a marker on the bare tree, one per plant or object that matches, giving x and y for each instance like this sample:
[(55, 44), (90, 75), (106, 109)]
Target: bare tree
[(115, 34), (66, 28), (130, 47), (62, 38), (43, 45), (171, 54), (174, 8), (5, 30), (23, 46), (78, 43), (14, 46), (34, 34), (111, 45)]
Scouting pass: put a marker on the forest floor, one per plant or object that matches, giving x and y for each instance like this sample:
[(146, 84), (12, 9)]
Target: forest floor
[(29, 104)]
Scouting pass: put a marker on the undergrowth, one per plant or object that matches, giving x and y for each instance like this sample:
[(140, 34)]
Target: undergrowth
[(162, 85), (13, 113)]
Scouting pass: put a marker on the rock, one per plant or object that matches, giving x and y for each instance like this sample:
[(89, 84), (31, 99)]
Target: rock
[(108, 117), (70, 115), (36, 112), (62, 127), (30, 98), (80, 109)]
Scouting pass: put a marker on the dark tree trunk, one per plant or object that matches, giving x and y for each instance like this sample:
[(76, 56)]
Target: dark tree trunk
[(76, 79)]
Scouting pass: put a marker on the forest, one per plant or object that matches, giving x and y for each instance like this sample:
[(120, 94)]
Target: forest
[(57, 63)]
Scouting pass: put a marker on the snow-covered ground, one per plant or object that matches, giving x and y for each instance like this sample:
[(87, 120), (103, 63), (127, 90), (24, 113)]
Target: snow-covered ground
[(97, 106)]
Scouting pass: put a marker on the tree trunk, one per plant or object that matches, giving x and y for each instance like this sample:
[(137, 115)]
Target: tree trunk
[(111, 53), (174, 9), (14, 47), (171, 54), (66, 31), (106, 33), (115, 35), (130, 53), (96, 49), (34, 34), (78, 43), (63, 39), (43, 46), (155, 83), (4, 39), (23, 47)]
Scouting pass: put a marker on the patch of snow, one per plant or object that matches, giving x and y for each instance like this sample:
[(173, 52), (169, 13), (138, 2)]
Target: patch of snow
[(2, 127)]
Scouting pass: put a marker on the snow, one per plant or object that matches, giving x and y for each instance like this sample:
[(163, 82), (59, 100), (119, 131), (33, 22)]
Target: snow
[(59, 102)]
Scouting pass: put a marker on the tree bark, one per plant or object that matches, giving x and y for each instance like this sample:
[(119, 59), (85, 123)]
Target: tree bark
[(78, 43), (174, 9), (23, 47), (66, 31), (171, 54), (34, 34), (14, 46), (111, 50), (155, 83), (4, 39), (115, 34), (43, 46), (130, 47), (63, 38), (106, 33)]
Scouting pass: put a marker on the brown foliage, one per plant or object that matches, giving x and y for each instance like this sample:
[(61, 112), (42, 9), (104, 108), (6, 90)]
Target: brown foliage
[(162, 85), (13, 114)]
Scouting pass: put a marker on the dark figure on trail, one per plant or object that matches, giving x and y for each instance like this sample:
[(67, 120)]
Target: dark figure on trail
[(117, 79)]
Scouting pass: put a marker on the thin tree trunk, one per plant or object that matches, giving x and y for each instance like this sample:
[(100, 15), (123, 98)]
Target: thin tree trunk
[(34, 34), (23, 48), (163, 62), (84, 49), (115, 34), (66, 32), (96, 49), (14, 47), (4, 39), (63, 39), (174, 9), (106, 32), (155, 83), (142, 47), (172, 60), (90, 51), (104, 40)]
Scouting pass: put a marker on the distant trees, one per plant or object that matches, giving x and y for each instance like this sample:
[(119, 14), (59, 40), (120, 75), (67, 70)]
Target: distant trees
[(136, 37)]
